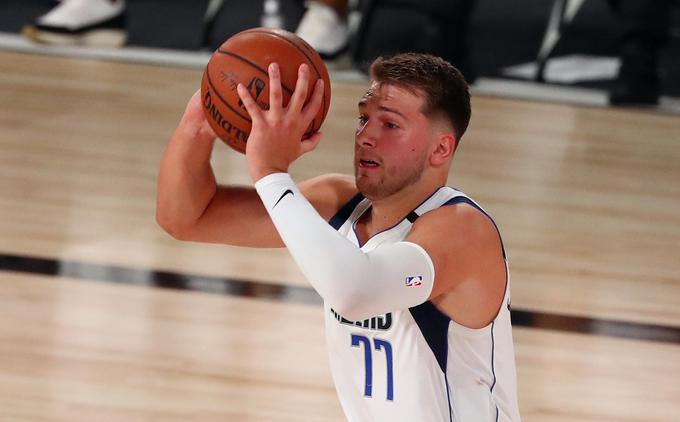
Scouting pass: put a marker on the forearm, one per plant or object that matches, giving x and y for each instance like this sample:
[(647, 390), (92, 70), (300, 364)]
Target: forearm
[(356, 284), (186, 182)]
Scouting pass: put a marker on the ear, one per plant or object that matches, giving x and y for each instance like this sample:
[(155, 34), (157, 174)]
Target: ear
[(444, 148)]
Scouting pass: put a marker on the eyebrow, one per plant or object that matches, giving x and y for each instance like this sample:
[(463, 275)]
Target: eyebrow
[(363, 103)]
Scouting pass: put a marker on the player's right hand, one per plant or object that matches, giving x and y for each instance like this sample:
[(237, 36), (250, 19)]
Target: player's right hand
[(276, 138)]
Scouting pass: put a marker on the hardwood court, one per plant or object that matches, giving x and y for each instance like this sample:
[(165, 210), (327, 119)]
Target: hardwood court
[(587, 200)]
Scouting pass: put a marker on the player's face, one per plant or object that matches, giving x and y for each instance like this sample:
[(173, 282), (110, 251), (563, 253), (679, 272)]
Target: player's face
[(391, 148)]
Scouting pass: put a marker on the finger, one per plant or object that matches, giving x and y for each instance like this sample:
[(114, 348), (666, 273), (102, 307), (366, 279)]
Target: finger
[(194, 123), (275, 96), (194, 105), (310, 143), (251, 106), (312, 107), (205, 131), (196, 95), (301, 87)]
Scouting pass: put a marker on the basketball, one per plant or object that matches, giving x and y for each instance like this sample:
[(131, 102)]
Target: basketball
[(244, 58)]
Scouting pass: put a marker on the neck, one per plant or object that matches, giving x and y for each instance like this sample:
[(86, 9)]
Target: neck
[(387, 212)]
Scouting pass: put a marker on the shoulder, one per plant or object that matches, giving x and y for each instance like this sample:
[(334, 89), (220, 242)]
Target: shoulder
[(460, 218), (461, 240), (470, 269), (329, 192), (461, 229)]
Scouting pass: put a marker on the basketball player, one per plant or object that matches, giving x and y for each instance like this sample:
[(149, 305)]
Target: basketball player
[(413, 273)]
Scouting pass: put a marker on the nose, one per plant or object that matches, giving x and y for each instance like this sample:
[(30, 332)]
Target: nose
[(365, 135)]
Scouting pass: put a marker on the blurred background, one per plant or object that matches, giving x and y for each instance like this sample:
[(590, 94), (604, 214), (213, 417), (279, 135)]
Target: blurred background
[(583, 51), (573, 147)]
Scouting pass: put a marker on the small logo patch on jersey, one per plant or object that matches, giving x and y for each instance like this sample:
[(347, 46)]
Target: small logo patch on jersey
[(413, 281)]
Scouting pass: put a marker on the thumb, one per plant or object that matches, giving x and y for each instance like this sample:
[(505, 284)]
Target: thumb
[(193, 120), (194, 108)]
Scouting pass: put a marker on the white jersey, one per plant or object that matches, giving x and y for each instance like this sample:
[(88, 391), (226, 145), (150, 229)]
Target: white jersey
[(416, 364)]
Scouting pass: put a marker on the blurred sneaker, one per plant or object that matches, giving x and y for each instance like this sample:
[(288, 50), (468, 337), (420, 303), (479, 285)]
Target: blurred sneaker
[(81, 22), (324, 29)]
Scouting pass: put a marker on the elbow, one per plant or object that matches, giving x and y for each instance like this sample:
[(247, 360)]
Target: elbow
[(353, 311), (171, 227), (347, 289), (351, 304)]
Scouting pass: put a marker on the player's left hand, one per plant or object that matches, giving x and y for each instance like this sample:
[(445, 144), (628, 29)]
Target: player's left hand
[(276, 138), (194, 125)]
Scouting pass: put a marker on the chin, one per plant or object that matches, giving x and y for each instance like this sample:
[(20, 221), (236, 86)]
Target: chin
[(370, 189), (374, 190), (380, 188)]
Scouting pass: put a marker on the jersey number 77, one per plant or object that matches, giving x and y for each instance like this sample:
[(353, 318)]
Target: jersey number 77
[(379, 345)]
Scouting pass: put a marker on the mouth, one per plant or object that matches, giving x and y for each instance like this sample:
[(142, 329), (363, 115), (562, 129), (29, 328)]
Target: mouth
[(368, 163)]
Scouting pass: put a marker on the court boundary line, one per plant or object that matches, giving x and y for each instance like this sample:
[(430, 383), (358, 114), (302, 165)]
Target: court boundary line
[(306, 295)]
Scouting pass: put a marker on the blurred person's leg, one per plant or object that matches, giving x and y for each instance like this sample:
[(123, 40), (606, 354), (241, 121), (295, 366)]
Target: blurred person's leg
[(646, 31), (324, 27), (438, 27), (81, 22), (456, 47)]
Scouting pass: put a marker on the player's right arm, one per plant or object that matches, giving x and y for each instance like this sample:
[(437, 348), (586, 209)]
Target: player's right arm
[(191, 205)]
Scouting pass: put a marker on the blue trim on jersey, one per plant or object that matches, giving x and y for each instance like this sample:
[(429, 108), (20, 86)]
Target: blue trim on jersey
[(343, 213), (434, 326), (448, 396), (493, 367), (412, 216), (459, 199), (493, 350)]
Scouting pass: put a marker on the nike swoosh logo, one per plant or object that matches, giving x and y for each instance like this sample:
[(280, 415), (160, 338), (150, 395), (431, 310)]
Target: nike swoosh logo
[(288, 191)]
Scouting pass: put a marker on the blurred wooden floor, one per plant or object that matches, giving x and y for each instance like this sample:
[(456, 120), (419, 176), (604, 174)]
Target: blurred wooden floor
[(588, 201)]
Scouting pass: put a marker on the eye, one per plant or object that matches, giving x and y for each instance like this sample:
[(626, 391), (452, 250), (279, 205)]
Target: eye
[(391, 125), (362, 120)]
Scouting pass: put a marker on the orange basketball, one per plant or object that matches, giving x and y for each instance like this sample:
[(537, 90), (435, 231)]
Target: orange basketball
[(244, 58)]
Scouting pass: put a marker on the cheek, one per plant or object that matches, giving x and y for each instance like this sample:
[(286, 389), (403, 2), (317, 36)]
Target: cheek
[(413, 142), (416, 148), (403, 157), (401, 145)]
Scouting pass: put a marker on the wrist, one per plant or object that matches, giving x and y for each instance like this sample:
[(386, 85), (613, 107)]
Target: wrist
[(258, 172), (271, 187), (259, 175), (198, 133)]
